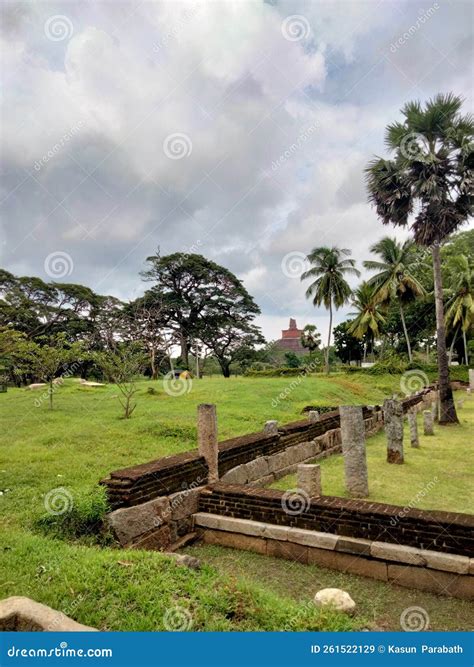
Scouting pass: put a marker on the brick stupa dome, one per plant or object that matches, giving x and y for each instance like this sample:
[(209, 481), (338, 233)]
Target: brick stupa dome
[(290, 339)]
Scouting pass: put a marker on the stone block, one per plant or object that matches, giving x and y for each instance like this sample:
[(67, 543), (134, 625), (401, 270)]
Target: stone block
[(273, 532), (359, 565), (158, 540), (22, 614), (398, 553), (447, 562), (183, 504), (353, 545), (287, 550), (279, 461), (311, 538), (237, 475), (257, 468), (128, 523), (235, 541), (309, 479), (435, 581)]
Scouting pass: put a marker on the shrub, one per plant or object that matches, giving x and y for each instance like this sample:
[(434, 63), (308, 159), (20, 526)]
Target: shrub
[(283, 371)]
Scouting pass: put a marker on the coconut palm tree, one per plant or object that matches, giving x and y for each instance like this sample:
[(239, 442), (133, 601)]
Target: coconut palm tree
[(460, 306), (427, 186), (368, 319), (329, 267), (395, 280)]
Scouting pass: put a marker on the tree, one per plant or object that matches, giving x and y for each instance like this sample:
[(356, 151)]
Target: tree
[(144, 321), (122, 366), (195, 291), (368, 320), (460, 305), (427, 186), (348, 348), (310, 338), (395, 280), (229, 336), (292, 360), (329, 268), (48, 360)]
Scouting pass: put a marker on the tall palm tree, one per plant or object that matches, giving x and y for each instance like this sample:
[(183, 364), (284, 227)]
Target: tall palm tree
[(368, 319), (460, 306), (395, 280), (330, 288), (427, 185)]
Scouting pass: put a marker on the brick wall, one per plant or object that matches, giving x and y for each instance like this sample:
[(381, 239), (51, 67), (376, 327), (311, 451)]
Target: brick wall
[(447, 532)]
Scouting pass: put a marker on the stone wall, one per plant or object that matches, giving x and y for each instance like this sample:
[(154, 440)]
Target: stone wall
[(447, 532)]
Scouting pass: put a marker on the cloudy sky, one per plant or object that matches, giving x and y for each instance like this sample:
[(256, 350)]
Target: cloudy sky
[(235, 129)]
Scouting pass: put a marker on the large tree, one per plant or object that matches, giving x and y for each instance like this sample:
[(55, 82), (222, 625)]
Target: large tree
[(368, 320), (395, 278), (198, 294), (427, 186), (329, 268), (460, 306)]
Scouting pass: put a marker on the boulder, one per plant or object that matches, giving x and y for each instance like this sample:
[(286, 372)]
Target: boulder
[(22, 614), (37, 385), (128, 523), (336, 598)]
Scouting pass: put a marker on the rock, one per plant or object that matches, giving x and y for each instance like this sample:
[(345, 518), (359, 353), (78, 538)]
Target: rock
[(86, 383), (22, 614), (37, 385), (336, 598), (128, 523)]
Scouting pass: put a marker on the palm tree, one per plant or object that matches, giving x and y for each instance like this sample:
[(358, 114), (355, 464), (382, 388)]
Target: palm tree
[(460, 306), (395, 280), (328, 268), (368, 319), (427, 186)]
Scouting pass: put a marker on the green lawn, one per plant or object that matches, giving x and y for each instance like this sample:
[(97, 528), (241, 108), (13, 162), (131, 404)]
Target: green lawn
[(438, 475), (82, 440)]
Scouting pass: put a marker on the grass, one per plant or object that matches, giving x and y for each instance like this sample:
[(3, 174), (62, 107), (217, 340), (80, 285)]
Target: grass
[(438, 475), (82, 440)]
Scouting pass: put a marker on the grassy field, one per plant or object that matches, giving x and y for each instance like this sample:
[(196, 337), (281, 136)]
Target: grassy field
[(83, 439), (438, 475)]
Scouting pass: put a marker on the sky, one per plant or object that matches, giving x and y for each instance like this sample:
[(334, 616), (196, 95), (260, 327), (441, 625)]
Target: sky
[(238, 130)]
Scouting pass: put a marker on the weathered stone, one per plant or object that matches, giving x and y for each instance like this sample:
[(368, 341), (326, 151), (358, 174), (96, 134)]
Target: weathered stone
[(353, 545), (471, 566), (315, 447), (311, 538), (398, 553), (413, 423), (271, 427), (443, 583), (280, 461), (264, 481), (428, 428), (273, 532), (207, 439), (359, 565), (158, 540), (313, 416), (237, 475), (309, 479), (183, 504), (128, 523), (257, 468), (21, 614), (447, 562), (335, 598), (235, 541), (228, 523), (393, 419), (435, 411), (471, 379), (353, 449), (287, 550), (33, 386)]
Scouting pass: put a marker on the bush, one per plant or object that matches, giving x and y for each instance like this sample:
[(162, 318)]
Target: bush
[(283, 371)]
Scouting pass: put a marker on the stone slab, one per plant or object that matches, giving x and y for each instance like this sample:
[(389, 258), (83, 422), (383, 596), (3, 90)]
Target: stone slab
[(183, 504), (353, 545), (235, 541), (443, 583), (21, 614), (398, 553), (312, 538), (287, 550), (128, 523), (348, 563)]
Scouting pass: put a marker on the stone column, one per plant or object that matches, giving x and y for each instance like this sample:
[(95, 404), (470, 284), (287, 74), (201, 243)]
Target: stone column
[(428, 422), (309, 479), (207, 439), (435, 410), (353, 450), (393, 418), (271, 427), (313, 416), (471, 379), (413, 423)]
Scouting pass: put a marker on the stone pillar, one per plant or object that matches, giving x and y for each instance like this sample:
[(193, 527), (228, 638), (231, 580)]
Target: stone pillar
[(271, 427), (353, 450), (435, 410), (207, 439), (471, 379), (313, 416), (309, 479), (428, 422), (413, 423), (393, 418)]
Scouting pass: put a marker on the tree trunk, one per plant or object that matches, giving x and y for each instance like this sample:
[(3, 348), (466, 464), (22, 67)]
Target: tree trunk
[(402, 315), (184, 350), (447, 408), (329, 337), (466, 355), (225, 368), (50, 394), (455, 335), (154, 373)]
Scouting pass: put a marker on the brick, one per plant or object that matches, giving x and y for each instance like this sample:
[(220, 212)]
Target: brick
[(425, 579), (397, 552), (235, 541), (287, 550)]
